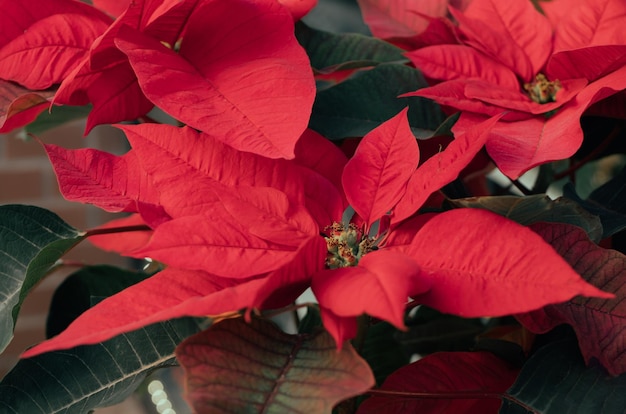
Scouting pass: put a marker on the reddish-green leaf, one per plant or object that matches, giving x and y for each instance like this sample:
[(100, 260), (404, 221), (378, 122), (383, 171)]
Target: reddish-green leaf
[(239, 367), (232, 80), (470, 380), (48, 51), (442, 168), (599, 323), (375, 178), (513, 270), (19, 106)]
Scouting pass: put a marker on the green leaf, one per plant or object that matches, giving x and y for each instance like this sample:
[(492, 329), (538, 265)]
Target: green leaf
[(58, 115), (556, 381), (613, 221), (537, 208), (32, 239), (256, 368), (87, 377), (359, 104), (329, 52), (80, 290)]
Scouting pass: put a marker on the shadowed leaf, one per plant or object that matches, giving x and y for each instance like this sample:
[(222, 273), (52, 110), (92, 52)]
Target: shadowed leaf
[(356, 106), (536, 208), (556, 381), (599, 323), (445, 373), (256, 368)]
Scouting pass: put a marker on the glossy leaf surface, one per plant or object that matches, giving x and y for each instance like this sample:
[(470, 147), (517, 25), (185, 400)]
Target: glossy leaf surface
[(31, 241)]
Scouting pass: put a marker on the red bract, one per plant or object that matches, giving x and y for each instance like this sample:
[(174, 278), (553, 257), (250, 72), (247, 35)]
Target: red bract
[(244, 232), (228, 61), (41, 42), (542, 73)]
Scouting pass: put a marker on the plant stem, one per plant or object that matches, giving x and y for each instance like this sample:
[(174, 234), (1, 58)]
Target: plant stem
[(113, 230)]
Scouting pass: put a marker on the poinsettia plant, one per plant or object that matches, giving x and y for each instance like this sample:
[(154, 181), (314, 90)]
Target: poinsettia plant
[(343, 180)]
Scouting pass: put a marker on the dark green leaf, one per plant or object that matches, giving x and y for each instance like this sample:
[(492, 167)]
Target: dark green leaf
[(32, 239), (87, 377), (332, 51), (359, 104), (239, 367), (78, 292), (537, 208), (382, 351), (612, 221), (556, 381), (58, 115)]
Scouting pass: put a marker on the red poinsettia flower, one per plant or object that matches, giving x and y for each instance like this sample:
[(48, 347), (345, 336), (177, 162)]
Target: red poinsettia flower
[(542, 71), (226, 60), (242, 231)]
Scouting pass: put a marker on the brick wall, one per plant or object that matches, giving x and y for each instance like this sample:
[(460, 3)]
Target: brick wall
[(26, 177)]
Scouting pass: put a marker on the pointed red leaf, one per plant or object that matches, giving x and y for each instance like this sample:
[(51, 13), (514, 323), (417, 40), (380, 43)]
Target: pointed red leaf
[(400, 18), (513, 270), (452, 94), (379, 286), (168, 294), (215, 242), (590, 63), (48, 51), (375, 178), (441, 169), (232, 80), (449, 62), (599, 323), (518, 101), (96, 177), (173, 293), (238, 367), (591, 23), (445, 373), (17, 16), (114, 92), (321, 155), (187, 153), (513, 33)]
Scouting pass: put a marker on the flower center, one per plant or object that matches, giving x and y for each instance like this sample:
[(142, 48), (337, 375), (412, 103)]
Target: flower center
[(346, 245), (541, 90)]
